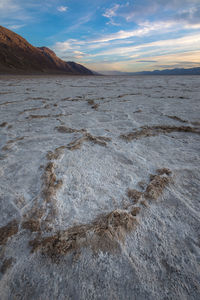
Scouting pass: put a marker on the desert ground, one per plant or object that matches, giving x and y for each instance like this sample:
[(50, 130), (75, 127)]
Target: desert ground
[(99, 187)]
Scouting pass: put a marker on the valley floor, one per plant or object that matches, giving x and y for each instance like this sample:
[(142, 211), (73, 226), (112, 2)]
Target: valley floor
[(99, 187)]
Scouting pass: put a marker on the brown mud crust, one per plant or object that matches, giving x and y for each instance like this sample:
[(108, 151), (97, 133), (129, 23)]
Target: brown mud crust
[(163, 171), (34, 109), (53, 155), (102, 234), (7, 231), (146, 131), (77, 143), (137, 111), (177, 119), (134, 194), (107, 231), (71, 99), (64, 129), (41, 215), (50, 182), (135, 211), (93, 104), (194, 123), (9, 143), (7, 263), (156, 186), (4, 124), (30, 117)]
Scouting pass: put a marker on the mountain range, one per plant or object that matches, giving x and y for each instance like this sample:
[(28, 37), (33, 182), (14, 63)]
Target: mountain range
[(17, 56), (177, 71)]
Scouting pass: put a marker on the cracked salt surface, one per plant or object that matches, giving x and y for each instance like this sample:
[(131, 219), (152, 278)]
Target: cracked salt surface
[(65, 200)]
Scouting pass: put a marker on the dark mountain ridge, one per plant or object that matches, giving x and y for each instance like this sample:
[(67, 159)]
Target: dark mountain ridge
[(17, 56)]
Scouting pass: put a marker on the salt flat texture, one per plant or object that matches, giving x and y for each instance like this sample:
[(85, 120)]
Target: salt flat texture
[(99, 182)]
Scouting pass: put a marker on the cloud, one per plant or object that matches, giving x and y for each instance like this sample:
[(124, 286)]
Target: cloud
[(130, 44), (8, 5), (64, 46), (79, 54), (140, 11), (188, 59), (146, 61), (186, 43), (143, 29), (80, 22), (9, 8), (62, 8), (12, 11), (110, 13), (146, 53), (66, 50), (189, 16), (13, 27)]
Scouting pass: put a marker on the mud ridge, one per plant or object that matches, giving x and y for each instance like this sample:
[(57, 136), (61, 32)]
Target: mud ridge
[(147, 131), (4, 124), (50, 183), (64, 129), (195, 123), (9, 143), (93, 104), (177, 119), (7, 263), (8, 231), (102, 234), (42, 214), (34, 109), (44, 116), (77, 143), (107, 231)]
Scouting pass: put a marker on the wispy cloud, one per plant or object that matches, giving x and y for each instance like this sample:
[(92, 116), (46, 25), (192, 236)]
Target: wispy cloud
[(13, 13), (13, 27), (129, 56), (64, 46), (8, 5), (141, 10), (189, 42), (180, 60), (62, 8), (190, 15), (143, 30), (146, 61), (147, 30), (127, 37), (110, 13)]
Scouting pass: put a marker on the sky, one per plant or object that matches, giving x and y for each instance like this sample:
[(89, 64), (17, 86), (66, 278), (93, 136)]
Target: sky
[(106, 35)]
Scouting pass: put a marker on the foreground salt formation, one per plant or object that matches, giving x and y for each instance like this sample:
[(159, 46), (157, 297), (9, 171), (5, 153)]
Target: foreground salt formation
[(99, 188)]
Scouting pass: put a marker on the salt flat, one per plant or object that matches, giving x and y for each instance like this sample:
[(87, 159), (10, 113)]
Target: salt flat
[(99, 182)]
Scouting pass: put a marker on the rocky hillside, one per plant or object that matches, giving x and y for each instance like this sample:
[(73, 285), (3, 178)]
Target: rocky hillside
[(18, 56)]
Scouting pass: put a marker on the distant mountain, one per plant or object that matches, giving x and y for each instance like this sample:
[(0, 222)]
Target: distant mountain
[(17, 56), (191, 71)]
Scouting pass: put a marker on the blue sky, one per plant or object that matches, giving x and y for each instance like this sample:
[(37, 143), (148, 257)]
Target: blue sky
[(106, 35)]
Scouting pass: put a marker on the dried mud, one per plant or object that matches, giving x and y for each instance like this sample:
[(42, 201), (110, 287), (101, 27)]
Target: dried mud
[(147, 131), (8, 231), (41, 214), (7, 263), (106, 231)]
